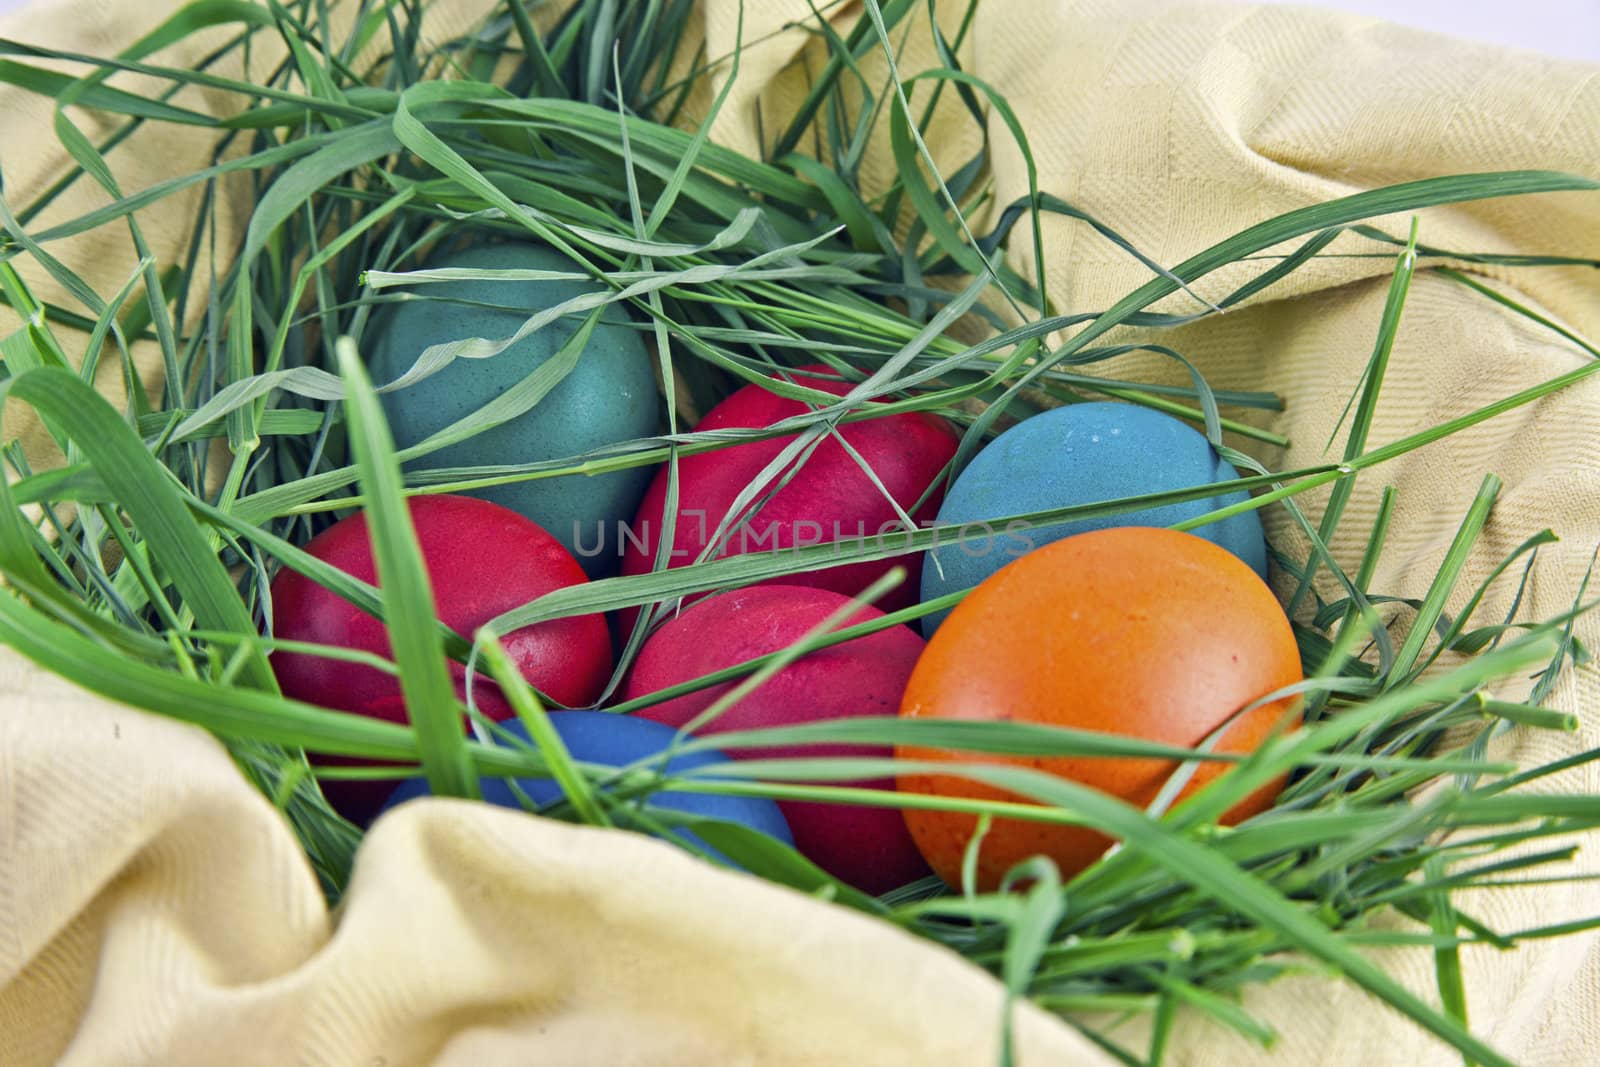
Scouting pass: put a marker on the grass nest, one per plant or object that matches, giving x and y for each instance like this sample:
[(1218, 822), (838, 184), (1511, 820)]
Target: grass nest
[(140, 564)]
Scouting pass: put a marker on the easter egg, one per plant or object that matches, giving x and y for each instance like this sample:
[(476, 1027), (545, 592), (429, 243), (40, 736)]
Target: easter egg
[(617, 741), (482, 560), (866, 847), (608, 397), (1142, 632), (828, 498), (1081, 454)]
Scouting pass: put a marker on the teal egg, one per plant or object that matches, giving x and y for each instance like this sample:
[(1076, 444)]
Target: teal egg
[(1081, 454), (610, 396)]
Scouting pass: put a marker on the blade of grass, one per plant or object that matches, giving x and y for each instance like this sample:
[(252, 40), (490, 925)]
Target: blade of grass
[(403, 577), (531, 712)]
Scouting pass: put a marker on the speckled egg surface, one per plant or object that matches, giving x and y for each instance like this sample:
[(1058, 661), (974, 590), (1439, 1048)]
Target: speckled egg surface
[(1141, 632), (610, 396), (1081, 454)]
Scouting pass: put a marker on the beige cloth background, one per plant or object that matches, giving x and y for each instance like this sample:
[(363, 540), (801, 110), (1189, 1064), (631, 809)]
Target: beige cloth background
[(154, 910)]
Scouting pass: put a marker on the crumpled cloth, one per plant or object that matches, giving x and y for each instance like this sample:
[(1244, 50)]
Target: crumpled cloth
[(155, 910)]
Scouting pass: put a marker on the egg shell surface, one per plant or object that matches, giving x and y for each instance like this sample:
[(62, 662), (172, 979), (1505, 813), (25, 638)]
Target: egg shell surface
[(617, 741), (1142, 632), (866, 847), (608, 397), (482, 560), (1082, 454), (829, 498)]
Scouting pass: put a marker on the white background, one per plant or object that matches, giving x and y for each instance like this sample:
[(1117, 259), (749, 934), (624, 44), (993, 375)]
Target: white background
[(1558, 27)]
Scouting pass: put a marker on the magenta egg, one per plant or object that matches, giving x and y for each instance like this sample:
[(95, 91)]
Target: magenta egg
[(482, 560), (867, 847), (828, 499)]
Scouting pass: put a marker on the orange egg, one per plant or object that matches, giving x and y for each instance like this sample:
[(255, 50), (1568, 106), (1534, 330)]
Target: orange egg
[(1137, 631)]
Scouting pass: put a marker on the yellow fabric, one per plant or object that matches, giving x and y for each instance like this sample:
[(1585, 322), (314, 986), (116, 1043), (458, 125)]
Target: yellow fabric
[(154, 910)]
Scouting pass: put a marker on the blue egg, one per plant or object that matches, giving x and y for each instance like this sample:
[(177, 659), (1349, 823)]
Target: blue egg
[(1082, 454), (616, 741), (608, 397)]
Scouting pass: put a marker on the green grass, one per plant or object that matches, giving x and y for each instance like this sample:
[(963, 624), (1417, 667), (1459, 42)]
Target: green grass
[(144, 577)]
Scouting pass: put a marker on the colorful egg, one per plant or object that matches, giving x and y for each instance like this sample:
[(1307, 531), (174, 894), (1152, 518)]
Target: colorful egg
[(482, 560), (864, 846), (608, 397), (617, 741), (1081, 454), (1143, 632), (829, 498)]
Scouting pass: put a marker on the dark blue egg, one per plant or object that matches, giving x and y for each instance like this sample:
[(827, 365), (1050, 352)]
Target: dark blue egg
[(1082, 454), (609, 397), (616, 741)]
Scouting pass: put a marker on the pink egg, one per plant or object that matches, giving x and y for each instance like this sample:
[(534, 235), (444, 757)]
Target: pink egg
[(829, 498), (482, 560), (869, 848)]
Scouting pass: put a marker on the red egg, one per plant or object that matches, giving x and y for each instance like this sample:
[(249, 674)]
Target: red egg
[(1143, 632), (829, 498), (482, 560), (869, 848)]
